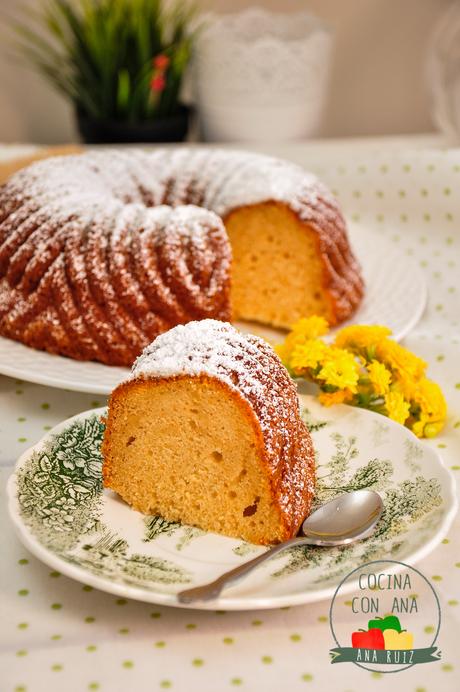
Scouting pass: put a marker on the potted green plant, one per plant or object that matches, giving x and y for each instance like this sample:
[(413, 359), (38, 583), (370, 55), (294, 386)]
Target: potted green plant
[(121, 63)]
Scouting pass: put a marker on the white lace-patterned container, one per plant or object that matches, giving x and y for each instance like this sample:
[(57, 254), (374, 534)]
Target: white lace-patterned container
[(261, 76)]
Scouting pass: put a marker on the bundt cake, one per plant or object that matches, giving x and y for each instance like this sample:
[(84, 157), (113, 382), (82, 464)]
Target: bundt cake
[(100, 252), (207, 431)]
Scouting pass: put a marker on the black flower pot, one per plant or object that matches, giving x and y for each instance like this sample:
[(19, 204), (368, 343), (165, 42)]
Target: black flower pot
[(168, 129)]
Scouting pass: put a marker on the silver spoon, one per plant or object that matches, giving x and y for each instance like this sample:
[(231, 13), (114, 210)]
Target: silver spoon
[(344, 520)]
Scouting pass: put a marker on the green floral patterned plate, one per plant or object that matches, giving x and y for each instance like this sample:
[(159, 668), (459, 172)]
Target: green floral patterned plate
[(68, 521)]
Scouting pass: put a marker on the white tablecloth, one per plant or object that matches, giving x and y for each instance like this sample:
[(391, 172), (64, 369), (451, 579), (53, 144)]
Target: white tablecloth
[(57, 634)]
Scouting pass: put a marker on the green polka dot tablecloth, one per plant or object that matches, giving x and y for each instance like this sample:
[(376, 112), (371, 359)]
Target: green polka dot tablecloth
[(57, 634)]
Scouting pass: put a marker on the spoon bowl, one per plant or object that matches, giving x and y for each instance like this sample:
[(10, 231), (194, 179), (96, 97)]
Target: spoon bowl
[(341, 521), (344, 519)]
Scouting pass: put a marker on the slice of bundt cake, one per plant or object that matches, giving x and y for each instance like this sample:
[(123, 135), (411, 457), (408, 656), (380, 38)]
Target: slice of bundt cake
[(207, 431)]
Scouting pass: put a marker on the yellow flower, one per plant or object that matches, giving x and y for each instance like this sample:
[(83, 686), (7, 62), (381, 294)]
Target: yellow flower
[(361, 337), (396, 406), (400, 360), (284, 352), (364, 362), (308, 355), (341, 396), (427, 403), (310, 327), (285, 349), (302, 331), (340, 370), (423, 428), (431, 399), (433, 409), (379, 376), (405, 386)]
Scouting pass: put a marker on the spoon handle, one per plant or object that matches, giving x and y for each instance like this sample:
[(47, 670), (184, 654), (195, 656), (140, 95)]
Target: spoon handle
[(209, 591)]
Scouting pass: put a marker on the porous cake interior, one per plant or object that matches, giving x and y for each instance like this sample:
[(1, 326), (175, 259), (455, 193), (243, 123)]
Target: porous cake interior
[(187, 450), (276, 273)]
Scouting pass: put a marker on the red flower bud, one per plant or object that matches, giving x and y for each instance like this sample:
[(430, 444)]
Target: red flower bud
[(161, 62), (157, 83)]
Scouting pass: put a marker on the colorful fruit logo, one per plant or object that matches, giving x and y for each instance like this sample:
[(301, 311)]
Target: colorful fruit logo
[(385, 591), (383, 633)]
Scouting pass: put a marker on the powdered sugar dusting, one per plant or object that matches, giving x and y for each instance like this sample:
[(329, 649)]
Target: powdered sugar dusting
[(99, 184), (207, 347)]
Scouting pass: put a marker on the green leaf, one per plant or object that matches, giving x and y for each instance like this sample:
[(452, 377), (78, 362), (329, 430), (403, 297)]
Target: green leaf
[(99, 53), (124, 90)]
